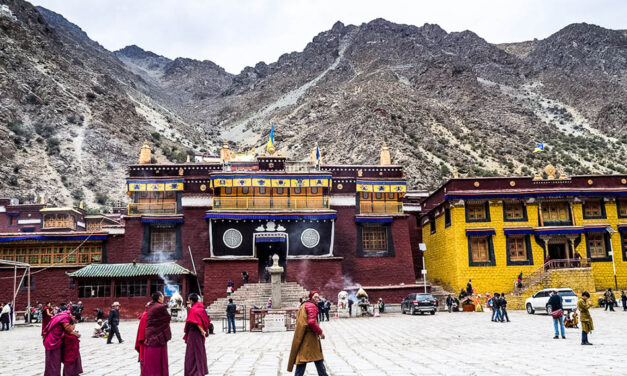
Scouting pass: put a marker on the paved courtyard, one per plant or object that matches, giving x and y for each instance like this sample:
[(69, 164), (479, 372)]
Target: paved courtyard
[(444, 344)]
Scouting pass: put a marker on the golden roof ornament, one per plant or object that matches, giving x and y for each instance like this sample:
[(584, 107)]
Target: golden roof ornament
[(386, 158), (145, 153), (455, 173), (550, 172)]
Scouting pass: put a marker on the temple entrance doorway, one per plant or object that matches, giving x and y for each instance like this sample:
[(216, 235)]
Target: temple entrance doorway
[(264, 250), (558, 251)]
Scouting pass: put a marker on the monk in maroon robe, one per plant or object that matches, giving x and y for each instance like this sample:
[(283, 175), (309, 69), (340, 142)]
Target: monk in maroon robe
[(46, 316), (72, 364), (196, 329), (57, 338), (157, 335), (141, 336)]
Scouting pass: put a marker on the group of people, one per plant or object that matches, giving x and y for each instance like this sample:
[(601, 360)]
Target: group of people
[(558, 315), (609, 300), (61, 340), (498, 305), (452, 303), (324, 306)]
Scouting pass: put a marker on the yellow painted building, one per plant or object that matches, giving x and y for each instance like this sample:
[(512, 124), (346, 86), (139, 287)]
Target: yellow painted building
[(492, 229)]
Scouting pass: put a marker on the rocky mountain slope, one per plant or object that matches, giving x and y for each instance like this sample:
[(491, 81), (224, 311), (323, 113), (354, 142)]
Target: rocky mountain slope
[(441, 100), (71, 115)]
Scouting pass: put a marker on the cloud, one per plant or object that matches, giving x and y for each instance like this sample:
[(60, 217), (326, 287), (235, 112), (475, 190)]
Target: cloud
[(234, 34)]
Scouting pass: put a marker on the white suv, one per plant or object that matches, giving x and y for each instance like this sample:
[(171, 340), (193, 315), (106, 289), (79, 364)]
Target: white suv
[(539, 302)]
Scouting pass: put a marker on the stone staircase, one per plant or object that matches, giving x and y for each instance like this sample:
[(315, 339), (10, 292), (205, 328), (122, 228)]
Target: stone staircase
[(257, 294), (440, 294), (579, 279)]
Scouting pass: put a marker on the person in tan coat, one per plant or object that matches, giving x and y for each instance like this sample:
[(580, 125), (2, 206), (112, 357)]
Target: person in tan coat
[(306, 346), (584, 316)]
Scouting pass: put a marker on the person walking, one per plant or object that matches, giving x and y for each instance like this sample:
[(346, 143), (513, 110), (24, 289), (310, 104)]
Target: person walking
[(245, 277), (503, 307), (231, 308), (320, 305), (584, 317), (196, 330), (609, 299), (449, 303), (496, 312), (157, 335), (557, 313), (306, 346), (327, 308), (114, 321), (46, 316), (623, 299)]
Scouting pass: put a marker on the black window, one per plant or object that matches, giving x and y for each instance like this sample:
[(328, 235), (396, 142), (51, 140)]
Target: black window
[(94, 289), (432, 224), (24, 285), (130, 288), (447, 217)]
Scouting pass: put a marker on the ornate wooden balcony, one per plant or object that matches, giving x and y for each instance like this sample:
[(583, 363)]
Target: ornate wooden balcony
[(380, 207), (153, 208), (271, 203)]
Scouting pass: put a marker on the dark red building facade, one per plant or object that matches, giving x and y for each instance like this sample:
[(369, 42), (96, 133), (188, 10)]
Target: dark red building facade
[(333, 226)]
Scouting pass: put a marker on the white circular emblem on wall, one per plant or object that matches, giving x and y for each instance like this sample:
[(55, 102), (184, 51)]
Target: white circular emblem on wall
[(310, 238), (232, 238)]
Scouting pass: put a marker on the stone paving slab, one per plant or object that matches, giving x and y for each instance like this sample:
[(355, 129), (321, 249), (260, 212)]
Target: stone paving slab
[(445, 344)]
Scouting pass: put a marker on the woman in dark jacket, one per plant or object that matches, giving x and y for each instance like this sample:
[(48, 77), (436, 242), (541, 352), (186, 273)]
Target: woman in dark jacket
[(555, 301)]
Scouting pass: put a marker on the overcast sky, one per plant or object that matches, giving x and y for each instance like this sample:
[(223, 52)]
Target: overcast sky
[(237, 33)]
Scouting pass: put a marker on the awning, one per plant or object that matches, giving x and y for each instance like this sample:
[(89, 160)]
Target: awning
[(566, 230), (596, 228), (518, 231), (273, 181), (374, 219), (270, 216), (162, 219), (480, 232), (129, 270), (55, 237), (270, 239)]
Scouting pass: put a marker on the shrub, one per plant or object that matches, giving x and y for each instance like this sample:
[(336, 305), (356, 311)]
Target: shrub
[(102, 198)]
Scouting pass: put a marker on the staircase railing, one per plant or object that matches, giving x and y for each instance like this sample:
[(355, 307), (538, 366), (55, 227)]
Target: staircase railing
[(536, 275)]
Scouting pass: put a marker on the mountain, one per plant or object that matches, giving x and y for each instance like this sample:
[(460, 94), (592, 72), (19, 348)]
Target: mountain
[(442, 101), (72, 116)]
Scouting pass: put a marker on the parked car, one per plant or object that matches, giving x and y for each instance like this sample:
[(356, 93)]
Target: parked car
[(539, 302), (419, 302)]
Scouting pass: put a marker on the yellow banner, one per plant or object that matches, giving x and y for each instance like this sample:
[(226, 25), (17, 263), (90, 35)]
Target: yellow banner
[(260, 182), (173, 186), (222, 183), (381, 188), (134, 187), (280, 183), (318, 182), (154, 187), (398, 188), (364, 188), (300, 182), (241, 182)]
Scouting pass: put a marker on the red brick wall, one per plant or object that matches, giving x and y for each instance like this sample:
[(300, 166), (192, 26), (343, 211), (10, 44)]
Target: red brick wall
[(195, 234), (324, 275), (374, 271), (217, 273), (415, 237), (128, 247), (393, 295)]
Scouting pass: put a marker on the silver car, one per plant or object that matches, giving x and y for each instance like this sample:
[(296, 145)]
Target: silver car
[(540, 301)]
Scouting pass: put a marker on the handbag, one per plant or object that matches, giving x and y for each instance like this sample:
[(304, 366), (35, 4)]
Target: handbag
[(557, 313)]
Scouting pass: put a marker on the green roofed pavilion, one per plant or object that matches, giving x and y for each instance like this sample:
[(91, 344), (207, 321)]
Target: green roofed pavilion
[(129, 270)]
